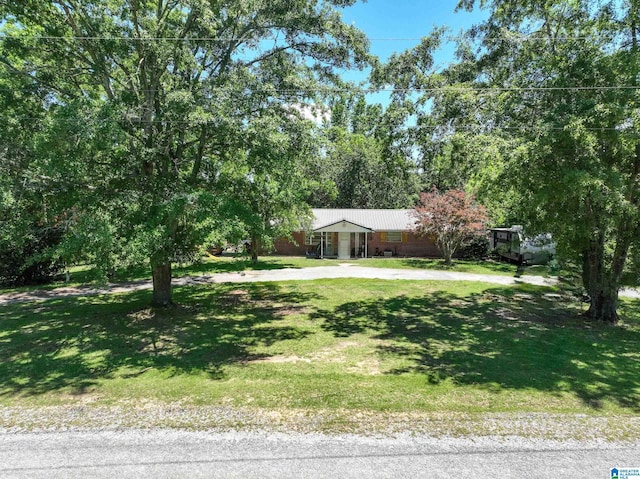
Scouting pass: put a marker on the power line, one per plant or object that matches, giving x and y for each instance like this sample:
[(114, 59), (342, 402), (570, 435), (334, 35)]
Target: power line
[(508, 36), (382, 90)]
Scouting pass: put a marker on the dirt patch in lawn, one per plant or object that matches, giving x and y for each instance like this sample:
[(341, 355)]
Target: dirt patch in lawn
[(333, 354), (280, 359)]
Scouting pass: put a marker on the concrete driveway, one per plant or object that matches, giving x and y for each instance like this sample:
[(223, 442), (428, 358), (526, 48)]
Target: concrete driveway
[(343, 270)]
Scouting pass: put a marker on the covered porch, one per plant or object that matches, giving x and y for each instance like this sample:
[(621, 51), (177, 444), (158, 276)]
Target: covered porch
[(344, 240)]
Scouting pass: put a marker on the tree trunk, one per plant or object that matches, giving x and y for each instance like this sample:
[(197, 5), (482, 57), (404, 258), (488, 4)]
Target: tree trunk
[(447, 253), (255, 244), (602, 291), (161, 285), (603, 306)]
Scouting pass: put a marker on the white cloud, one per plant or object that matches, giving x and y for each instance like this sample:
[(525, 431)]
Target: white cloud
[(315, 113)]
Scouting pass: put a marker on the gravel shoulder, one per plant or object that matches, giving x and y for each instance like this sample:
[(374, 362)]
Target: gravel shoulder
[(557, 427)]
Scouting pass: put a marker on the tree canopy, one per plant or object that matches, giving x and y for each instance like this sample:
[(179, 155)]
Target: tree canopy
[(152, 105), (563, 81), (538, 116), (138, 130), (367, 162)]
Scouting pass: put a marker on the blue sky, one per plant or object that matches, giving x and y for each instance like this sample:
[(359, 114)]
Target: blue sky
[(405, 21), (397, 25)]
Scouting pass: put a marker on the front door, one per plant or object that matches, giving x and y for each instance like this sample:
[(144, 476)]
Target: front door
[(344, 242)]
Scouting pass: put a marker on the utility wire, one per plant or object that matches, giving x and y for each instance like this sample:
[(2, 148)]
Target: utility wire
[(508, 36), (388, 90)]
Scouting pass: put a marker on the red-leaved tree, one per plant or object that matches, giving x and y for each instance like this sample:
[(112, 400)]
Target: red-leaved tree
[(451, 219)]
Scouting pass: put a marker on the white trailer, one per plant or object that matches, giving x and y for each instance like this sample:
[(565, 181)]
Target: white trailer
[(511, 243)]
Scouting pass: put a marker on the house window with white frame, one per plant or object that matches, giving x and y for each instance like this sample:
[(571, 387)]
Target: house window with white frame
[(312, 238), (315, 238)]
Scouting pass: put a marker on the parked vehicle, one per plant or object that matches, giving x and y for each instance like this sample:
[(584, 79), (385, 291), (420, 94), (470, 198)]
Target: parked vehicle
[(511, 243), (215, 250)]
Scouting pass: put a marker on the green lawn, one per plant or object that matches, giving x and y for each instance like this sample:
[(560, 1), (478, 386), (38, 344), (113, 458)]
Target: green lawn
[(461, 266), (383, 347), (223, 264)]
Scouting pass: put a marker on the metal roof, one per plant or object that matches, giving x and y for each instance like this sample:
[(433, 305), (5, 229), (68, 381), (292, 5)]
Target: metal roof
[(512, 228), (377, 220)]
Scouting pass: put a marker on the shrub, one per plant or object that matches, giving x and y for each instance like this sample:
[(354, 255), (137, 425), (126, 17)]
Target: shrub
[(24, 260), (476, 249)]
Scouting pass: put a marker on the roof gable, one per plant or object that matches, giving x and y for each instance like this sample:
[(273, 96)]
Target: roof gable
[(345, 226)]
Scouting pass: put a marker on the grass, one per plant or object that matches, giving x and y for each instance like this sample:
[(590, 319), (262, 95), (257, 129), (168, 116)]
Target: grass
[(85, 274), (227, 264), (492, 267), (379, 348)]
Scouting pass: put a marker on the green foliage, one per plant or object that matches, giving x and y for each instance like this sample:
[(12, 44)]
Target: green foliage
[(269, 187), (154, 115), (477, 248), (441, 126), (25, 258), (367, 161), (538, 117), (361, 178), (580, 158)]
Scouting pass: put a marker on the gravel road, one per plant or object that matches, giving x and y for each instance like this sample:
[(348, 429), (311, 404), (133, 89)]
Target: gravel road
[(162, 454)]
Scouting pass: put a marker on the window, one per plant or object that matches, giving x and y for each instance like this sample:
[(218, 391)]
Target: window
[(315, 238), (312, 238), (502, 237), (394, 236)]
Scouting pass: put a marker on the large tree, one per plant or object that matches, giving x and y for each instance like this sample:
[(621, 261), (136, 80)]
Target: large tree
[(270, 188), (367, 161), (153, 98), (563, 79), (552, 88), (439, 109)]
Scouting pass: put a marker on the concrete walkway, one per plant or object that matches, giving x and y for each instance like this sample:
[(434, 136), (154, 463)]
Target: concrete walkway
[(344, 270)]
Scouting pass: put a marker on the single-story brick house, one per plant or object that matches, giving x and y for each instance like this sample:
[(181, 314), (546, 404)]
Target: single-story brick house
[(349, 233)]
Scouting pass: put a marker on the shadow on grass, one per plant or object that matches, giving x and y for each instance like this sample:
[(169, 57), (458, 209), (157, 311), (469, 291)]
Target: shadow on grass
[(504, 338), (72, 343)]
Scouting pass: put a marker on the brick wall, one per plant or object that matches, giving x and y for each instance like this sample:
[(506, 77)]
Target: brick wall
[(411, 245), (285, 247)]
